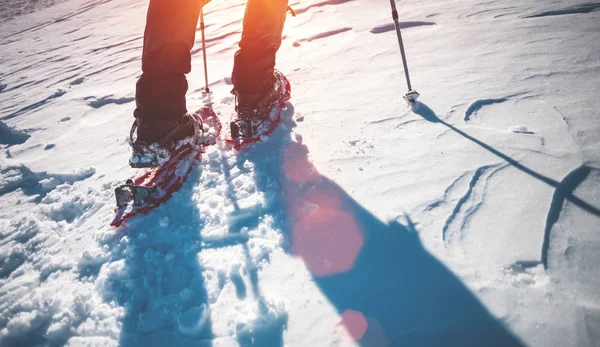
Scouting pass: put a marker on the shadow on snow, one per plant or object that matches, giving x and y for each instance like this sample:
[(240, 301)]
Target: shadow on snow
[(162, 286), (563, 189), (388, 289)]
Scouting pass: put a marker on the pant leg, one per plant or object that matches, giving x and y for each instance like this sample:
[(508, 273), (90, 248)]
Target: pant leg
[(168, 39), (261, 38)]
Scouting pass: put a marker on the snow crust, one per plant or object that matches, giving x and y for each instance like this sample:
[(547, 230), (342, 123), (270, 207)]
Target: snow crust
[(470, 218)]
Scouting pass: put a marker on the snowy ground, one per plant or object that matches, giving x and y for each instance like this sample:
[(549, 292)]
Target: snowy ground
[(470, 219)]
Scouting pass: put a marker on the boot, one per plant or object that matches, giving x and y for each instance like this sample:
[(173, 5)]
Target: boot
[(254, 109), (157, 139)]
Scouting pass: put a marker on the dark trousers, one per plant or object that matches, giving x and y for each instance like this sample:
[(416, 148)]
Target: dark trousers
[(169, 38)]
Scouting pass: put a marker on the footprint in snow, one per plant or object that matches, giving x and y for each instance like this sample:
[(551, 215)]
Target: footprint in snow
[(575, 9), (403, 25), (97, 103), (77, 81), (521, 129), (321, 35)]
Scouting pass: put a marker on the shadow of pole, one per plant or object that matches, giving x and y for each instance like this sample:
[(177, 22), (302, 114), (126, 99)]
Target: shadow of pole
[(388, 290), (563, 190), (424, 111)]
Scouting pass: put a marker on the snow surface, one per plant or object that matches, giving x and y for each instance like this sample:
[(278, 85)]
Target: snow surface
[(469, 219)]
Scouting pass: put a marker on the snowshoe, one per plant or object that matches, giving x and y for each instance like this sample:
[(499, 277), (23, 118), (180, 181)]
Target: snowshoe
[(157, 184)]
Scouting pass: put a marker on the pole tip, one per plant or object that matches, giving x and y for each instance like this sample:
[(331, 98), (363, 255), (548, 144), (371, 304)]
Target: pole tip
[(411, 96)]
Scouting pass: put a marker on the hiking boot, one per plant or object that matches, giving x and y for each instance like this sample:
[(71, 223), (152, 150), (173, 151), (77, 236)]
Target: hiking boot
[(254, 109), (157, 139)]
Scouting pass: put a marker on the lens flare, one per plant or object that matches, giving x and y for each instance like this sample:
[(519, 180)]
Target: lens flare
[(325, 234)]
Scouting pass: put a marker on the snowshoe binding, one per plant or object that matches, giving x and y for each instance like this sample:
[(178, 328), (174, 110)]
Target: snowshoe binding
[(149, 150), (129, 192), (258, 114)]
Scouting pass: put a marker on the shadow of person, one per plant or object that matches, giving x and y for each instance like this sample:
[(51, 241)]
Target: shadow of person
[(268, 328), (161, 285), (388, 289)]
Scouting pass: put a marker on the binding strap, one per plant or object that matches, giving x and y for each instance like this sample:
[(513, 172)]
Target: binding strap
[(165, 141)]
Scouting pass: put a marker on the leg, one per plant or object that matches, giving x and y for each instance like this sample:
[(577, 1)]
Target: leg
[(261, 37), (168, 39)]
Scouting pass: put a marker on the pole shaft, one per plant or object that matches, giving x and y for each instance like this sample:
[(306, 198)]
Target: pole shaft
[(400, 43), (204, 49)]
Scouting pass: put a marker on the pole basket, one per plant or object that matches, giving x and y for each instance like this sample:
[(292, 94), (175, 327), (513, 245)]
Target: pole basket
[(411, 96)]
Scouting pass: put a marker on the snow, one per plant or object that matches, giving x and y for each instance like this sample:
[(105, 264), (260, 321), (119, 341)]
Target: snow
[(468, 218)]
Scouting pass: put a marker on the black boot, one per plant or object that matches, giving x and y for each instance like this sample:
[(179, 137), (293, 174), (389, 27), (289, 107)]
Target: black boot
[(157, 139), (258, 106), (254, 109)]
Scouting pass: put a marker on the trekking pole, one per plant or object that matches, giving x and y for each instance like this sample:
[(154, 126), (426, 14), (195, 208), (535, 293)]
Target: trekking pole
[(206, 90), (411, 95)]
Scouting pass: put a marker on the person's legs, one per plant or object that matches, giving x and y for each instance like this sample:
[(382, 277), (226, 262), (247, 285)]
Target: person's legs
[(168, 40), (254, 62)]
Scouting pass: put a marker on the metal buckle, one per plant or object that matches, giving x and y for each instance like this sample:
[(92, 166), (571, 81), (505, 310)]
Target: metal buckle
[(129, 192), (241, 129)]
